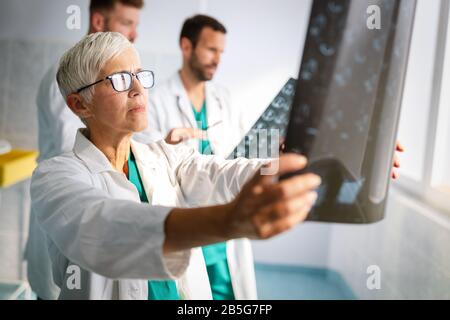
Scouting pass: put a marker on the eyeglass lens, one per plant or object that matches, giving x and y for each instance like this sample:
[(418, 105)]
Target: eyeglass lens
[(122, 81)]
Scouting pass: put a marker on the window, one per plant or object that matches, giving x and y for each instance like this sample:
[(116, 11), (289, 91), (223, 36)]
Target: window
[(425, 121)]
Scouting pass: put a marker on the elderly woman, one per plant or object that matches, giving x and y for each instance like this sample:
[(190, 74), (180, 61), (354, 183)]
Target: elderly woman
[(123, 219)]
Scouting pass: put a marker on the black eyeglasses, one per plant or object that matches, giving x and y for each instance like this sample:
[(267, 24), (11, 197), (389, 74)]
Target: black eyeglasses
[(121, 81)]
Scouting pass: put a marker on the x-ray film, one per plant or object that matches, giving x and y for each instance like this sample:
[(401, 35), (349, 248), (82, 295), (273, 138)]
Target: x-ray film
[(344, 115), (263, 139)]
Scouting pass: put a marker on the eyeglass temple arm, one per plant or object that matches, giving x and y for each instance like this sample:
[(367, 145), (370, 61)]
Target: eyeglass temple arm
[(90, 85)]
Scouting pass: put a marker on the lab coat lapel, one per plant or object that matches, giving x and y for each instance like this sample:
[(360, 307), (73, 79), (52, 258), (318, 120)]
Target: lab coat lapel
[(214, 113), (213, 105), (94, 159), (183, 102), (97, 163), (194, 284), (146, 164)]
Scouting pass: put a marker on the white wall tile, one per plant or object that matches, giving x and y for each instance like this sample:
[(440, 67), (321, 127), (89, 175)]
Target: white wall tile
[(11, 256), (14, 218), (410, 249), (306, 244)]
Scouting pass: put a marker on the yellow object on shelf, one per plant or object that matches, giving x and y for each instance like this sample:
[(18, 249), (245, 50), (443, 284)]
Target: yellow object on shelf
[(16, 166)]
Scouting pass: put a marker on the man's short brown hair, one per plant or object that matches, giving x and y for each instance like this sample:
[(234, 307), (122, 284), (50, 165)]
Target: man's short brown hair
[(108, 5), (193, 26)]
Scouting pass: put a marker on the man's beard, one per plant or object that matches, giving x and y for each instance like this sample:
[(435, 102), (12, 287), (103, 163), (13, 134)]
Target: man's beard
[(199, 70)]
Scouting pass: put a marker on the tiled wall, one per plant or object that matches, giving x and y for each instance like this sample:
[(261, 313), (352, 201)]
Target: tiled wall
[(307, 244), (14, 209), (411, 247), (22, 65)]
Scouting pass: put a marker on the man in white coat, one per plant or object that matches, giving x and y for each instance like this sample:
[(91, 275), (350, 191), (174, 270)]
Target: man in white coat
[(192, 110), (189, 106), (58, 126)]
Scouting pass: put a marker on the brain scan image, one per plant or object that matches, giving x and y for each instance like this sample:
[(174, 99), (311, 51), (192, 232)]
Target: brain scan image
[(344, 114)]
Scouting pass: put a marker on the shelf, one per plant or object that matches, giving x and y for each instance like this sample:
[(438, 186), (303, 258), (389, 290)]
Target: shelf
[(16, 166)]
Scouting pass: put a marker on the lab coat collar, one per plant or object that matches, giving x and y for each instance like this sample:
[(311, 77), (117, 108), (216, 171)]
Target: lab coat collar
[(94, 159), (177, 87), (213, 102), (97, 162), (143, 155)]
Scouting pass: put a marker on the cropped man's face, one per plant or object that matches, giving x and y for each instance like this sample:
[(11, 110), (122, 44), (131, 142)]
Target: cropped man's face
[(205, 57), (123, 19)]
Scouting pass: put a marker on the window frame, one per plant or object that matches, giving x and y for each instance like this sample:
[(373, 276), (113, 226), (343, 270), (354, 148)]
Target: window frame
[(423, 189)]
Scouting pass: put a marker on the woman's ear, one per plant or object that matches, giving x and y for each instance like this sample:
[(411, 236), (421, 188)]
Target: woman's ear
[(76, 104)]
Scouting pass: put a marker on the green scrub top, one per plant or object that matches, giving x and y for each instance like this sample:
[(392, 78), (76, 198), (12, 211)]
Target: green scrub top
[(157, 289), (216, 254)]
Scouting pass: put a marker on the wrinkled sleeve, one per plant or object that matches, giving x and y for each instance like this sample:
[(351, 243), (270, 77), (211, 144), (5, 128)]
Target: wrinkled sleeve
[(208, 179), (111, 237)]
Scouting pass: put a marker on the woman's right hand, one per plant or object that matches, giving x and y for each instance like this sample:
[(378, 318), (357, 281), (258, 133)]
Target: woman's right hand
[(266, 207), (177, 135)]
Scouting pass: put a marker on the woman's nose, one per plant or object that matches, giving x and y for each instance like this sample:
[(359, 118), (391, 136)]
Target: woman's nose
[(136, 87)]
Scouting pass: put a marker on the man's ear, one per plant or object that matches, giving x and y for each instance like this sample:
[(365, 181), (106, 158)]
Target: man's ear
[(98, 22), (186, 47), (75, 103)]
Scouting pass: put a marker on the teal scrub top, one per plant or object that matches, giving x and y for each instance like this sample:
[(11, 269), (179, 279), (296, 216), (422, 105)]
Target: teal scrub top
[(157, 289), (216, 254), (202, 123)]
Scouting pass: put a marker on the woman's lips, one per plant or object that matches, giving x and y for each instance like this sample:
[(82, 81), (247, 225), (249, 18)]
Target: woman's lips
[(137, 109)]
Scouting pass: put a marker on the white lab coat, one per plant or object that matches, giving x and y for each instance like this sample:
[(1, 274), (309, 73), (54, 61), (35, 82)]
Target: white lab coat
[(170, 108), (98, 229), (58, 126)]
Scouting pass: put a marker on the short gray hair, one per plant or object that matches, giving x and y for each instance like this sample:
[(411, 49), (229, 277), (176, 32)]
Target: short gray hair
[(81, 65)]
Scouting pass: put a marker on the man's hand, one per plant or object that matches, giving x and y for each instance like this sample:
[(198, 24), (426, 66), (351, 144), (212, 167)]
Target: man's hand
[(178, 135), (266, 207), (396, 163)]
